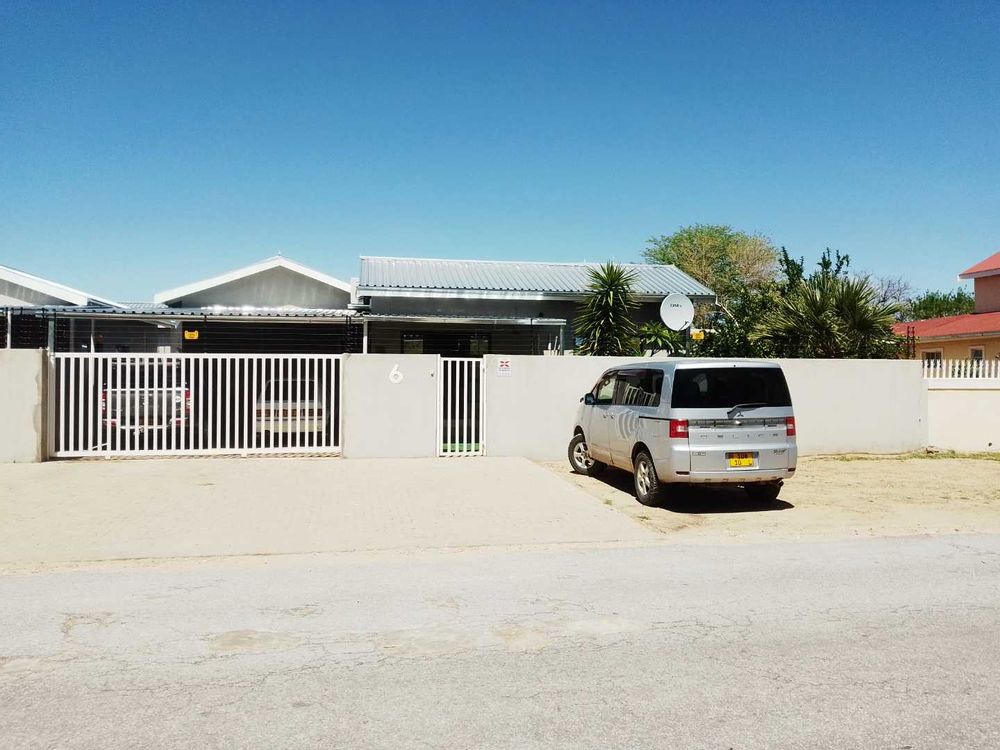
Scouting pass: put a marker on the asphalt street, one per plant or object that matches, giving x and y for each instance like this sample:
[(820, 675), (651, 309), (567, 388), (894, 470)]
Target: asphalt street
[(877, 643)]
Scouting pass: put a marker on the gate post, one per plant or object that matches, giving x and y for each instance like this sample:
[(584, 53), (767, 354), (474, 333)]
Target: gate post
[(49, 405)]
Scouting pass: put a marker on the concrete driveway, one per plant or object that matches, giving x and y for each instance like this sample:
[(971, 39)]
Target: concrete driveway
[(65, 512)]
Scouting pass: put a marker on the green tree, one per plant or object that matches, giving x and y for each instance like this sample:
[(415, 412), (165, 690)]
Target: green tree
[(939, 305), (605, 322), (659, 338), (730, 330), (830, 315), (725, 260), (831, 264)]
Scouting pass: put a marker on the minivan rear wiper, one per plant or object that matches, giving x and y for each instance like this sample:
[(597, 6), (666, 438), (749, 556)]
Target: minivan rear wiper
[(740, 407)]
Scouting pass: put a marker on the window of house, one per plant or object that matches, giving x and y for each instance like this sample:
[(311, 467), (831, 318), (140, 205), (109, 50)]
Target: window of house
[(977, 353), (932, 356), (413, 343), (639, 387), (479, 344)]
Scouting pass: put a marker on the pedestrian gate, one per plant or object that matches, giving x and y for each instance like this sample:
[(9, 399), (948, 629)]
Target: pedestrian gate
[(193, 404), (460, 407)]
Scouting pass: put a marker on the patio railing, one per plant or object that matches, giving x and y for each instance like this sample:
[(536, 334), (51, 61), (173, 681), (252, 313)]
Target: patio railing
[(962, 368)]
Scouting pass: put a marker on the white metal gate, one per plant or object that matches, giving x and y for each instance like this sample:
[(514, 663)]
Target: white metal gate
[(460, 407), (193, 404)]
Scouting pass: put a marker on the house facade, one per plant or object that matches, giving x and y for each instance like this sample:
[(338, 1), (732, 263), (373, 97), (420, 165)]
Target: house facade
[(275, 305), (474, 307), (397, 305), (974, 336), (26, 305)]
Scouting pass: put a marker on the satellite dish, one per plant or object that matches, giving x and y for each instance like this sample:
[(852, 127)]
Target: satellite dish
[(676, 312)]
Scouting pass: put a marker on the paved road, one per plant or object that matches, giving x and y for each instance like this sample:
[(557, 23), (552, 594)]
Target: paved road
[(889, 643)]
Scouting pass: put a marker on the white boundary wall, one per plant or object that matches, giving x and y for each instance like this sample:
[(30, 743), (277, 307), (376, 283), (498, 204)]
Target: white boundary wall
[(874, 406), (22, 416), (858, 406), (964, 415), (842, 406), (390, 405)]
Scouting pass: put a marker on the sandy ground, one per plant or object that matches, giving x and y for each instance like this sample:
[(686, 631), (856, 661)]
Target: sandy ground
[(830, 497)]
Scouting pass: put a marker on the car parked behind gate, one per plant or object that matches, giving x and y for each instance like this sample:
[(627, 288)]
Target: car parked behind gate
[(289, 407), (690, 421), (143, 399)]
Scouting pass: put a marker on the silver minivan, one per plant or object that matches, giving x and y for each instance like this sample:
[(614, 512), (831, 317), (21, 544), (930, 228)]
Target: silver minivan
[(689, 421)]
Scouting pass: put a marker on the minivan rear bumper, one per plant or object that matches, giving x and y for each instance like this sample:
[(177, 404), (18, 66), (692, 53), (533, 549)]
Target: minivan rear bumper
[(673, 461), (730, 477)]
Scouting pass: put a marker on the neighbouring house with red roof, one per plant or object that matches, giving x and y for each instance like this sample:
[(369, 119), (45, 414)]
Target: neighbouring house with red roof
[(975, 336)]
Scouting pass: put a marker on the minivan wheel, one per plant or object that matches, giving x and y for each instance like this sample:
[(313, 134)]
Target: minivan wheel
[(580, 460), (647, 484), (764, 493)]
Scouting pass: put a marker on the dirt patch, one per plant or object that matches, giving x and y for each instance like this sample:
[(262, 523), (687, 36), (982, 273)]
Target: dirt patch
[(829, 497)]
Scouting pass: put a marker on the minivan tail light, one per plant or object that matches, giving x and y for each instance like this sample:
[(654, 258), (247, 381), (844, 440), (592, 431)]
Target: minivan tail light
[(679, 428), (790, 426)]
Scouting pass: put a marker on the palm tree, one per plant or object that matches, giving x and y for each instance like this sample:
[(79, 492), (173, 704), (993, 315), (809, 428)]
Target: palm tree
[(605, 323), (829, 316), (658, 338)]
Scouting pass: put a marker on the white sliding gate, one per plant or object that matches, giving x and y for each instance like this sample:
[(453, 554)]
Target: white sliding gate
[(460, 407), (193, 404)]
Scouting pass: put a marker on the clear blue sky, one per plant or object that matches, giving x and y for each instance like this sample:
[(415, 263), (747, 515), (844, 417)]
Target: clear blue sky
[(144, 145)]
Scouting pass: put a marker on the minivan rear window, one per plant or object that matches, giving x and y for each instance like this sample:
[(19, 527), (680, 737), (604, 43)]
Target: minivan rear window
[(724, 387)]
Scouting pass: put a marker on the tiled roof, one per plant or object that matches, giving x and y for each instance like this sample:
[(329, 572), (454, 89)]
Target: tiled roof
[(988, 267), (972, 324), (513, 276)]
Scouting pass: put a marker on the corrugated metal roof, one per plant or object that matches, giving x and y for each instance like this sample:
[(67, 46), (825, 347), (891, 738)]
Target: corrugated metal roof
[(514, 276), (53, 288), (162, 311), (145, 306), (478, 319)]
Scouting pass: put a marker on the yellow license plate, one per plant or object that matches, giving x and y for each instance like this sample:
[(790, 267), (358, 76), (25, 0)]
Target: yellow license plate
[(740, 460)]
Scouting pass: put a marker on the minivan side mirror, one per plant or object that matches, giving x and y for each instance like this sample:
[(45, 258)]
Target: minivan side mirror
[(588, 399)]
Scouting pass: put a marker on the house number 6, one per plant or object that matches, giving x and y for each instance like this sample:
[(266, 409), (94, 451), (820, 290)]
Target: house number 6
[(395, 376)]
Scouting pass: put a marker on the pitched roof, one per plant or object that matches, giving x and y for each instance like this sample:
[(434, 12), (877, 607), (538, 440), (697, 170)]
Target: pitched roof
[(953, 326), (512, 277), (52, 289), (276, 261), (151, 310), (988, 267)]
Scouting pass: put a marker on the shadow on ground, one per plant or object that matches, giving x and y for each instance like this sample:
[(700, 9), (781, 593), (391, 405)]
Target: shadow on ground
[(695, 499)]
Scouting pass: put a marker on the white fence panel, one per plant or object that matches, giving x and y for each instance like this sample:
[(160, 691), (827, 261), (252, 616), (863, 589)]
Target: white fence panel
[(194, 404), (962, 368), (460, 407)]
